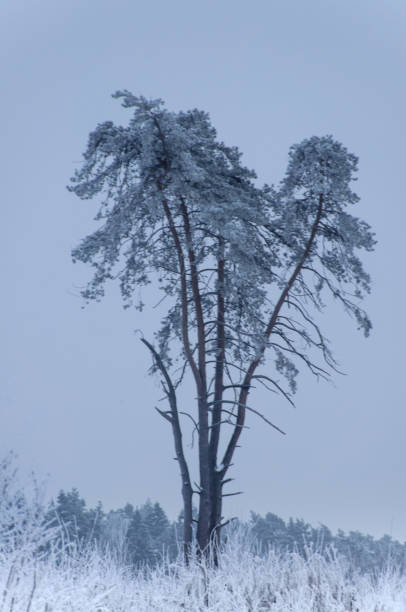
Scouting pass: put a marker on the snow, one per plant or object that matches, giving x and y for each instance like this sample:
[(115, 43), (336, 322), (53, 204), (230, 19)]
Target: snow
[(245, 581)]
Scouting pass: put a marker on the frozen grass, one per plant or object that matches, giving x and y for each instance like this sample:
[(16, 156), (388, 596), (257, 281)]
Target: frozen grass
[(245, 581)]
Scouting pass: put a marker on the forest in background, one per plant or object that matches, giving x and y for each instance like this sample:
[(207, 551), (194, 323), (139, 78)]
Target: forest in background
[(144, 535)]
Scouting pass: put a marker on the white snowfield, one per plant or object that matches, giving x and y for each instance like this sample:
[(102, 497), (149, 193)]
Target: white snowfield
[(244, 582)]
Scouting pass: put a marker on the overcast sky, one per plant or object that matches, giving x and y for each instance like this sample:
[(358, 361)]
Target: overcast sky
[(75, 399)]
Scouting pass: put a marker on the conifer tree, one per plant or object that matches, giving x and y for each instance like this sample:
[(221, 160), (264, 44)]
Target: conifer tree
[(139, 544), (245, 270), (78, 524)]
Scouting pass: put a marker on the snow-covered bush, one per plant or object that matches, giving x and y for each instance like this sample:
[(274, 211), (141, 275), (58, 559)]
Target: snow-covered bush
[(23, 530), (25, 537)]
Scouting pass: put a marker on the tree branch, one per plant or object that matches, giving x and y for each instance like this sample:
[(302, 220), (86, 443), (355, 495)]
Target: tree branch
[(253, 366)]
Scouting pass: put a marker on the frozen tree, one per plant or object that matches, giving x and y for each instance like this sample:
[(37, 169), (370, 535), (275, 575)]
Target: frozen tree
[(245, 269)]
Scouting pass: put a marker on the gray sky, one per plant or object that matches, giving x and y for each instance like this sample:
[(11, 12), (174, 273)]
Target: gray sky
[(75, 399)]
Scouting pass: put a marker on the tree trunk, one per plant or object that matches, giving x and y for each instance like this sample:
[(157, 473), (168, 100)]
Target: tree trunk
[(187, 495), (173, 417), (203, 526), (209, 520), (216, 516)]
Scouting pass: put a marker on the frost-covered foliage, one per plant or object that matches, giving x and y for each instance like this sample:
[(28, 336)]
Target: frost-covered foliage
[(243, 582), (165, 165), (25, 536), (323, 168), (174, 159), (24, 530)]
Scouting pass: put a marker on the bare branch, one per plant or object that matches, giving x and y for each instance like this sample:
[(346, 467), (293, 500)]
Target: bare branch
[(258, 414), (164, 414), (231, 494), (273, 382), (253, 366)]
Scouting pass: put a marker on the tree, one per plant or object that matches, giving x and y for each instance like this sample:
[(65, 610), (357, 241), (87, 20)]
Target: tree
[(270, 531), (244, 269), (113, 533), (139, 544), (80, 525), (156, 521)]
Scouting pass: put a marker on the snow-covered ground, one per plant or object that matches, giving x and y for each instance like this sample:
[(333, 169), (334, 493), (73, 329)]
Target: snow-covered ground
[(35, 576), (244, 582)]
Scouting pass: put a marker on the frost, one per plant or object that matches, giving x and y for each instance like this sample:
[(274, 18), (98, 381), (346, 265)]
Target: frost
[(172, 159), (244, 581)]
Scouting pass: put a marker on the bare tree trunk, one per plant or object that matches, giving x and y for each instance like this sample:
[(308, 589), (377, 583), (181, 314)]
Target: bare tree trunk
[(203, 526), (216, 516), (203, 533), (172, 416), (215, 480), (187, 495)]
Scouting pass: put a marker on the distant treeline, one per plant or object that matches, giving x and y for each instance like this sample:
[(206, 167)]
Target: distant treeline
[(140, 536)]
